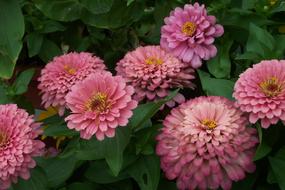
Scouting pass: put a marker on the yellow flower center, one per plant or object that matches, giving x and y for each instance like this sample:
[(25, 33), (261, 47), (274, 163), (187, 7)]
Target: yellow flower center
[(2, 139), (281, 29), (189, 28), (98, 102), (211, 124), (153, 60), (271, 87), (69, 69), (272, 2)]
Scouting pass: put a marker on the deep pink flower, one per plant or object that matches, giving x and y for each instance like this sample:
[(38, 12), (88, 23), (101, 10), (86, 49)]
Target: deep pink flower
[(189, 34), (62, 73), (99, 104), (205, 144), (260, 91), (18, 146), (154, 72)]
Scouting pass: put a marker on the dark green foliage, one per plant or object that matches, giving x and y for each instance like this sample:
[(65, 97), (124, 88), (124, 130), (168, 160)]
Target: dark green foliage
[(33, 32)]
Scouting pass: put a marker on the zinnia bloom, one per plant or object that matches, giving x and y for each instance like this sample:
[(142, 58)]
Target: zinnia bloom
[(18, 146), (99, 104), (260, 91), (154, 72), (62, 73), (189, 34), (205, 144)]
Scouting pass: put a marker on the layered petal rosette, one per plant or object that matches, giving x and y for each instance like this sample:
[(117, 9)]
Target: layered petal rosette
[(99, 104), (18, 144), (153, 73), (62, 73), (205, 144), (189, 34), (260, 91)]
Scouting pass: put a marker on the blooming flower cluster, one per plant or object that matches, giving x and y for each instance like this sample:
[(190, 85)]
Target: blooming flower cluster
[(154, 72), (62, 73), (260, 91), (18, 144), (99, 104), (189, 34), (205, 142)]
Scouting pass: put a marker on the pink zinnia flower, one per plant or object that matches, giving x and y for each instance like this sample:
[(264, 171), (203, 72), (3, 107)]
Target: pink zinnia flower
[(18, 146), (154, 72), (260, 91), (189, 34), (62, 73), (99, 104), (205, 144)]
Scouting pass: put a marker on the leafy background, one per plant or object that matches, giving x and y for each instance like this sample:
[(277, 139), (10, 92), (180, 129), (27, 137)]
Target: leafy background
[(32, 32)]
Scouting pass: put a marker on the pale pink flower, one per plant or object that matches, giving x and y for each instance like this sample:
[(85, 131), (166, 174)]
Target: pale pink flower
[(62, 73), (205, 144), (99, 104), (189, 34), (18, 146), (154, 73), (260, 91)]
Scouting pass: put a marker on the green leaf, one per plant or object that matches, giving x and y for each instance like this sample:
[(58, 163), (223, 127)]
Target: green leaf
[(130, 2), (248, 56), (4, 98), (248, 4), (80, 186), (55, 119), (278, 168), (11, 33), (20, 85), (259, 41), (144, 112), (99, 172), (279, 8), (162, 9), (119, 15), (267, 139), (84, 44), (220, 66), (59, 130), (279, 47), (37, 181), (263, 148), (24, 103), (151, 31), (34, 42), (111, 149), (271, 178), (51, 26), (216, 87), (49, 50), (71, 148), (146, 171), (145, 139), (115, 148), (242, 19), (281, 153), (98, 6), (57, 169), (7, 65), (62, 10)]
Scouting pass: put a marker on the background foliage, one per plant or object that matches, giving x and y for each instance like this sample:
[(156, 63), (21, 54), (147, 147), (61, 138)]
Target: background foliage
[(32, 32)]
